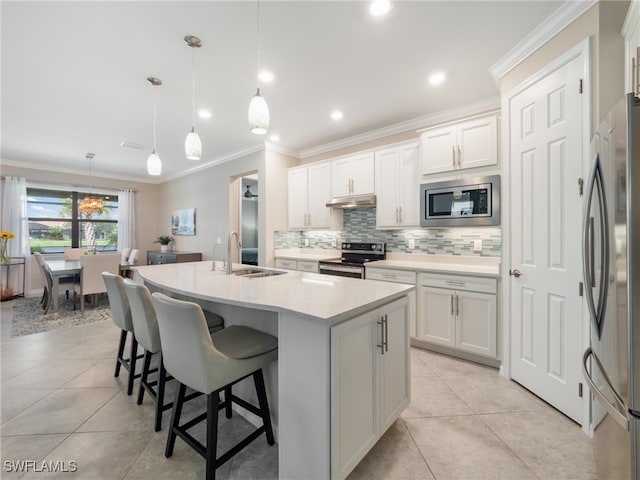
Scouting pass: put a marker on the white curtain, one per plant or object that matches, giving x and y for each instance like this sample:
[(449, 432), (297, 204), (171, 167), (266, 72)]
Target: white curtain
[(126, 219), (14, 215)]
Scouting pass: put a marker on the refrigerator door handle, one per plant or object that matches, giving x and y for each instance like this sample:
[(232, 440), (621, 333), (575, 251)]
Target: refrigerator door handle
[(596, 182), (618, 412)]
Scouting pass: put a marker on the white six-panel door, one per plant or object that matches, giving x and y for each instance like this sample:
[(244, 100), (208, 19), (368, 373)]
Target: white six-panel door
[(546, 151)]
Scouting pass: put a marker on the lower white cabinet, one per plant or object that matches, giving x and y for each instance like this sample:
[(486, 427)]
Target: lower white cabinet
[(458, 312), (397, 276), (370, 384), (302, 265)]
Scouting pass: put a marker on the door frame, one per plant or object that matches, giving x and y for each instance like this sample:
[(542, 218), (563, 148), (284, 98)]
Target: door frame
[(582, 49)]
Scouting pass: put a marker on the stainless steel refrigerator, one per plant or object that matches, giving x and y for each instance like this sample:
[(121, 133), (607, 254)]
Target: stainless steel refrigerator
[(611, 260)]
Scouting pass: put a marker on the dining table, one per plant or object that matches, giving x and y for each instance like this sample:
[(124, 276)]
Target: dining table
[(61, 268)]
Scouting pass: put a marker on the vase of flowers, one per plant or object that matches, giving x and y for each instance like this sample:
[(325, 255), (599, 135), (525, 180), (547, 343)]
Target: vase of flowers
[(164, 241), (4, 238)]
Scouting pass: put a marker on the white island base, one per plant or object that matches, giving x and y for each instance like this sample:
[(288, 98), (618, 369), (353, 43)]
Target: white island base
[(342, 375)]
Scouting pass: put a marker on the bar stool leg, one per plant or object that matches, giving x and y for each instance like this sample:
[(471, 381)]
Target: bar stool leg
[(213, 399), (145, 374), (175, 419), (123, 340), (258, 379), (162, 374), (227, 402), (132, 364)]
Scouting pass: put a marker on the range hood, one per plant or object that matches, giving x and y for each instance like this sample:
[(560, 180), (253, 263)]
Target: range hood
[(353, 201)]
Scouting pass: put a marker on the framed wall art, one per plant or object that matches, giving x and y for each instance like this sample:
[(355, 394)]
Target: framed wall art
[(183, 222)]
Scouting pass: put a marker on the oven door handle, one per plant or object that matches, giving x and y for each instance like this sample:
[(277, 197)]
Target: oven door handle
[(339, 268)]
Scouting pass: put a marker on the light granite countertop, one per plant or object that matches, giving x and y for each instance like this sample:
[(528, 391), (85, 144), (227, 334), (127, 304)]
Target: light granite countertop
[(485, 266), (325, 298)]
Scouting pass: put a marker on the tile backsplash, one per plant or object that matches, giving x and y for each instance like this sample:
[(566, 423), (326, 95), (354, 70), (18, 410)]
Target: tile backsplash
[(360, 225)]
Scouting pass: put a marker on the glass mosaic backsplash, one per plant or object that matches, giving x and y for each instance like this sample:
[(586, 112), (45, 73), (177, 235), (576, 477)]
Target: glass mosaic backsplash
[(360, 225)]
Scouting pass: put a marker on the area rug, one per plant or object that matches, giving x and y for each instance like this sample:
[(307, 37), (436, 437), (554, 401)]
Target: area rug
[(28, 315)]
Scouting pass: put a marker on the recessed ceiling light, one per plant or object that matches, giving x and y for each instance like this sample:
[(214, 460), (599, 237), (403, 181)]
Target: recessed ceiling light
[(202, 113), (274, 138), (437, 78), (336, 115), (378, 8), (128, 144), (265, 76)]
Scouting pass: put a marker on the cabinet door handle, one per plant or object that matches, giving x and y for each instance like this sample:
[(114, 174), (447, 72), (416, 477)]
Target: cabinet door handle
[(309, 223), (452, 304), (637, 87), (381, 344), (453, 155), (459, 157), (400, 214), (386, 333), (457, 305), (634, 71), (396, 214)]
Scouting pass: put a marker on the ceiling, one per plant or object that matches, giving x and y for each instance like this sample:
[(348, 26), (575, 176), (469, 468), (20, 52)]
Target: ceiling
[(74, 74)]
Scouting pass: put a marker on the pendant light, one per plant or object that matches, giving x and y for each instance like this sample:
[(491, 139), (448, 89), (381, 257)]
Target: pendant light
[(192, 144), (90, 204), (258, 109), (154, 164)]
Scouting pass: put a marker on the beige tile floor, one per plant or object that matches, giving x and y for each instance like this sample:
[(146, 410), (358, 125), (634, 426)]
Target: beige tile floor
[(60, 401)]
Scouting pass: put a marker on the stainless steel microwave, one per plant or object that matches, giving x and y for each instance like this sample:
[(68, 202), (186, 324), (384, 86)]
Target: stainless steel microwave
[(468, 202)]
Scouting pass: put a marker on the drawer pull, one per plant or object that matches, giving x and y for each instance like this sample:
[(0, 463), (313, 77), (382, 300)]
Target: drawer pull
[(456, 282)]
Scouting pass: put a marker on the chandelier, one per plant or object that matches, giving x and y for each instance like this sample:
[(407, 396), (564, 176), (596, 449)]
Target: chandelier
[(90, 204)]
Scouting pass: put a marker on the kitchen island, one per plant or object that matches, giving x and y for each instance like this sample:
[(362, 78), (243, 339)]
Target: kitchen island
[(342, 375)]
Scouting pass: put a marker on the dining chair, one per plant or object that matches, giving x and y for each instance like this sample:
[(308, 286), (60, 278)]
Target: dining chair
[(211, 364), (121, 316), (124, 255), (91, 282), (133, 257), (45, 301)]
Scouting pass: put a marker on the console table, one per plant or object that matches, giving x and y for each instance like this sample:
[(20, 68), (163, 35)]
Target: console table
[(157, 257), (12, 278)]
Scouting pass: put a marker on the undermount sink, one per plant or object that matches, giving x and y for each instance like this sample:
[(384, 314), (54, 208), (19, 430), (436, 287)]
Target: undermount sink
[(256, 273)]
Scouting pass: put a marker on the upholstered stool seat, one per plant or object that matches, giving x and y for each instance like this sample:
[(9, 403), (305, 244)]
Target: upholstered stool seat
[(211, 364), (121, 315)]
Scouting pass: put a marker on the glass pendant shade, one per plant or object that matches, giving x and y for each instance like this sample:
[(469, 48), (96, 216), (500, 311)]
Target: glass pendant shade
[(193, 145), (258, 115), (154, 164)]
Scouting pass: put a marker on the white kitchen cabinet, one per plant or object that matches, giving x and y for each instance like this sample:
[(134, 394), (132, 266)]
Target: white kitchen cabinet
[(370, 381), (286, 264), (309, 190), (397, 276), (467, 144), (397, 184), (352, 175), (302, 265), (458, 312), (631, 32)]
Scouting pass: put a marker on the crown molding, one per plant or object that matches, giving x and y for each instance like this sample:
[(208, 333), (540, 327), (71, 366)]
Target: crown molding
[(215, 162), (282, 149), (554, 24), (486, 104), (74, 171)]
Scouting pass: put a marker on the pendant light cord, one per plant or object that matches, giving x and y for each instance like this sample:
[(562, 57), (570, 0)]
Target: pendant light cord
[(193, 88), (258, 33), (154, 118)]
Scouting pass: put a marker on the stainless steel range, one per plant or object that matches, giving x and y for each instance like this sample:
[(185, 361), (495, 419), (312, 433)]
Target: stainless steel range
[(354, 256)]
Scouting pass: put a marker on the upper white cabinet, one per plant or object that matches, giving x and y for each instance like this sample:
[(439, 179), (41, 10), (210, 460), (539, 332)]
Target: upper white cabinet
[(397, 183), (466, 144), (352, 175), (309, 191), (631, 32)]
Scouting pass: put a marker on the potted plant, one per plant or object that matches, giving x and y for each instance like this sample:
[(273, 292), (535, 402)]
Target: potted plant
[(164, 241)]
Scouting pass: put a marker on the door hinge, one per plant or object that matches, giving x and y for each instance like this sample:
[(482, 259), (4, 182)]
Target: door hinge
[(581, 186), (580, 390), (580, 86), (581, 289)]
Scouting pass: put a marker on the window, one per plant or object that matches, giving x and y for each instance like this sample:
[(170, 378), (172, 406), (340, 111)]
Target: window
[(56, 223)]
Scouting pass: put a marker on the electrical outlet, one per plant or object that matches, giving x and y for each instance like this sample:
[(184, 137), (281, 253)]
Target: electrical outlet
[(477, 245), (411, 244), (219, 241), (306, 242), (334, 243)]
